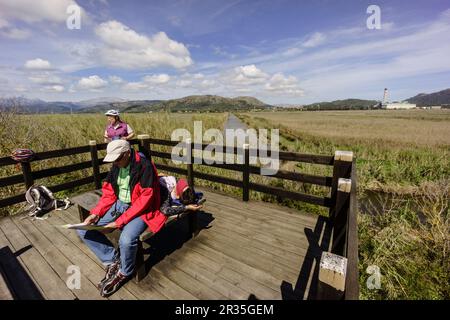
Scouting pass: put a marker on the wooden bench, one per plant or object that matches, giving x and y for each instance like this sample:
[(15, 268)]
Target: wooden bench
[(88, 201)]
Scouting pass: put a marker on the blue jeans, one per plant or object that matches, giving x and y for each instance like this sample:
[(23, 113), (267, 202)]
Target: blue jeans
[(128, 241)]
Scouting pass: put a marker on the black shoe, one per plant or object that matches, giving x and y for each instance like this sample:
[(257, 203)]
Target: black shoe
[(111, 270), (113, 284)]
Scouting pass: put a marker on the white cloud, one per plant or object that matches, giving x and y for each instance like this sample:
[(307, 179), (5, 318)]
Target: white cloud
[(15, 33), (157, 78), (20, 88), (135, 86), (285, 85), (314, 40), (247, 75), (198, 76), (92, 83), (32, 11), (55, 88), (184, 83), (45, 78), (37, 64), (125, 48), (292, 52), (207, 83), (115, 79)]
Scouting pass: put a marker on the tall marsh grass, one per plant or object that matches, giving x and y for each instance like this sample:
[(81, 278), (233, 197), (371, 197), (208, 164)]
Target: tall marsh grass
[(402, 159)]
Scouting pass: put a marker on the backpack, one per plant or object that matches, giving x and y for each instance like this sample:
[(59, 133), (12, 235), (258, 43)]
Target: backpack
[(41, 201)]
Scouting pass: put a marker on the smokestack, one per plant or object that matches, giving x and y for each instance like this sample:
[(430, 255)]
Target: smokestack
[(385, 96)]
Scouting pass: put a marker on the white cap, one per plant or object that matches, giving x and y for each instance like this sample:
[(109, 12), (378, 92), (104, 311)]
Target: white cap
[(115, 149), (112, 112)]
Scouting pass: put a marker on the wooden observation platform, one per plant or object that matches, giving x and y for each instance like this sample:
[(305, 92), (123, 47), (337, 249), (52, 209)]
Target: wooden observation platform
[(243, 249)]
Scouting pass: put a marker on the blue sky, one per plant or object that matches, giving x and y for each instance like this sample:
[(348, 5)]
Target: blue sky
[(292, 52)]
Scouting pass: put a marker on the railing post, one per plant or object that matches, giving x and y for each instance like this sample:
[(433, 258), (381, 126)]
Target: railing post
[(27, 175), (246, 173), (95, 164), (342, 168), (190, 163), (332, 277), (341, 217), (144, 145)]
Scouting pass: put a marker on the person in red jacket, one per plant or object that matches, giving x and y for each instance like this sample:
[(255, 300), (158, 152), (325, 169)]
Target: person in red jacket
[(130, 201)]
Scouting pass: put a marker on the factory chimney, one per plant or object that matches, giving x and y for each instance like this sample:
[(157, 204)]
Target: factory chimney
[(386, 96)]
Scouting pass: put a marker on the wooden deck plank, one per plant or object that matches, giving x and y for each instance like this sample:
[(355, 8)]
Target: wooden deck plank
[(7, 269), (293, 242), (289, 222), (88, 267), (221, 234), (176, 273), (46, 278), (248, 253), (251, 249), (263, 277), (170, 288), (253, 205), (199, 267), (148, 293), (5, 293), (57, 259)]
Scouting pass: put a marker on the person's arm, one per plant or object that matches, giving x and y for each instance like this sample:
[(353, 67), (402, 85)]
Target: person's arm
[(130, 133), (169, 209), (105, 135), (137, 208), (106, 201)]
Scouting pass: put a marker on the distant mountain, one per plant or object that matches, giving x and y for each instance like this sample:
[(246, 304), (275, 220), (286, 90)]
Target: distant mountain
[(431, 99), (98, 101), (347, 104), (203, 103), (24, 105), (121, 106)]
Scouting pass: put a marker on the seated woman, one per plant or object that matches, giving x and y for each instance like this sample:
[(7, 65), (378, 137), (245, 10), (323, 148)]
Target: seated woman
[(177, 197)]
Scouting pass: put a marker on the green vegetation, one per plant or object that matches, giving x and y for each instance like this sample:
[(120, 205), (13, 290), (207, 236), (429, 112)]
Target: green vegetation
[(404, 189), (202, 103), (347, 104), (403, 173), (52, 132), (432, 99)]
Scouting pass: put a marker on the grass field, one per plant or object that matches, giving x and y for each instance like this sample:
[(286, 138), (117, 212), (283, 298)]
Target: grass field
[(404, 187), (403, 154), (52, 132)]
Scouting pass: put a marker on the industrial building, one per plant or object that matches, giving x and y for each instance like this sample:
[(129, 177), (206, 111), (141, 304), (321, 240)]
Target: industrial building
[(386, 104)]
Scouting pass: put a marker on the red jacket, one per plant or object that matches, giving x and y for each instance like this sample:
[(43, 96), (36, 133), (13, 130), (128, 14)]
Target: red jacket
[(145, 197)]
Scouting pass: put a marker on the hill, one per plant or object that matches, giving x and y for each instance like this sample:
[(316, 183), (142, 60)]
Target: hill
[(120, 105), (431, 99), (209, 103), (347, 104)]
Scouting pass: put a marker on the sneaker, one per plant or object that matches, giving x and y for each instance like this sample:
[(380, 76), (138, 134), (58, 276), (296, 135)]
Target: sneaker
[(111, 270), (112, 285)]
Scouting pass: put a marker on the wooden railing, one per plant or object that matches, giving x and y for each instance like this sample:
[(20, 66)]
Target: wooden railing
[(342, 185)]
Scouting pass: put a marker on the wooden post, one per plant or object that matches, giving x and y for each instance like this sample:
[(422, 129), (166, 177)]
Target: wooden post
[(190, 163), (95, 165), (27, 175), (352, 280), (144, 145), (340, 219), (332, 273), (342, 168), (246, 173)]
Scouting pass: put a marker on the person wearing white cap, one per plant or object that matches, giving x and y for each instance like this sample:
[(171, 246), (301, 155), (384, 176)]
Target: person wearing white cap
[(130, 201), (116, 128)]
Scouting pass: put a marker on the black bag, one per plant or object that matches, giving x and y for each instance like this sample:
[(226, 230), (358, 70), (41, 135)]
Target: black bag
[(41, 201)]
